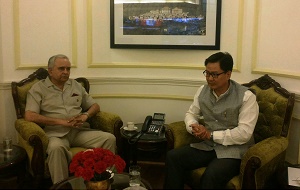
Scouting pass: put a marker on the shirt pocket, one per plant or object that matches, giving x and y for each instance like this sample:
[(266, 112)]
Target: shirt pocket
[(74, 101), (231, 117)]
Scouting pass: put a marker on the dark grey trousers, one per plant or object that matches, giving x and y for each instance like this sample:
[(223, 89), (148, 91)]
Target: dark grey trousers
[(179, 161)]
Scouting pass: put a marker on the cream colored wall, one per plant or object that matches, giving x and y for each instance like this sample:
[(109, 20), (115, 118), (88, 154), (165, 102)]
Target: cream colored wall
[(137, 82)]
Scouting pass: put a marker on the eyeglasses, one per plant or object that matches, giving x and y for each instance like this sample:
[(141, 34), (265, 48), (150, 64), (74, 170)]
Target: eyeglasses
[(214, 75)]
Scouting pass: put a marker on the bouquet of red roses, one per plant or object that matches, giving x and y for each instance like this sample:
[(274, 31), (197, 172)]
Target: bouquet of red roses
[(93, 164)]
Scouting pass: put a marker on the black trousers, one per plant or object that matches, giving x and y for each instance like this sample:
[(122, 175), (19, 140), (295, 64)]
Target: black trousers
[(179, 161)]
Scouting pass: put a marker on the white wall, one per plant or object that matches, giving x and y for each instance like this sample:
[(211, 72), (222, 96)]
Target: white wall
[(137, 82)]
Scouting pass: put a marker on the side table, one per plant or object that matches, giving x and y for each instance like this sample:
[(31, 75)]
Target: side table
[(148, 143), (282, 176), (12, 167)]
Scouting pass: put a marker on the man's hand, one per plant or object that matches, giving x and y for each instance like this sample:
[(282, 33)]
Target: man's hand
[(200, 131), (77, 121)]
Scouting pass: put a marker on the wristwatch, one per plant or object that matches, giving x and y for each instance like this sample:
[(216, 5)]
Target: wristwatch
[(86, 113), (211, 136)]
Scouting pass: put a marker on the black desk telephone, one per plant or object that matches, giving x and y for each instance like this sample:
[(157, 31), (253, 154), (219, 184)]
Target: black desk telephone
[(151, 125), (155, 124)]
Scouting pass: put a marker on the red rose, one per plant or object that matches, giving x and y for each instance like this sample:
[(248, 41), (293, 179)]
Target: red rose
[(92, 164)]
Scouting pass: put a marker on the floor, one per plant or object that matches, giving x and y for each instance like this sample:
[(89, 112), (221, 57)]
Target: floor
[(153, 174), (46, 184)]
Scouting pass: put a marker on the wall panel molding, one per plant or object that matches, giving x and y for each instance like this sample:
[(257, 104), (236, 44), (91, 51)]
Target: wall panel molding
[(143, 96), (17, 36), (256, 69), (5, 86), (145, 81), (180, 83)]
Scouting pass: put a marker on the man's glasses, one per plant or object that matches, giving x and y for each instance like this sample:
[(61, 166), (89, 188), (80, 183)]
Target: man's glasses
[(214, 75)]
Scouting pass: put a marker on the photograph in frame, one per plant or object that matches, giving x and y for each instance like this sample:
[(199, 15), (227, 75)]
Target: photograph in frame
[(168, 24)]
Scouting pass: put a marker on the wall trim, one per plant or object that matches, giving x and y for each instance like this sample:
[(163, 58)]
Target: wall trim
[(143, 96), (145, 81), (241, 12), (17, 41), (5, 86), (255, 68)]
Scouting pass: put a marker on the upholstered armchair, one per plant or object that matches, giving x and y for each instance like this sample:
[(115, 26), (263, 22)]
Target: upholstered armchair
[(33, 138), (264, 158)]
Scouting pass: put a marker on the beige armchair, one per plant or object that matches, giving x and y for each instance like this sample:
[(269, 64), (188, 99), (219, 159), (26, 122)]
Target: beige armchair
[(33, 138), (264, 158)]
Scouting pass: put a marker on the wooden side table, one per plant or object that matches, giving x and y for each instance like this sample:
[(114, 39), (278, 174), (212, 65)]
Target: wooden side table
[(150, 144), (282, 176), (12, 168)]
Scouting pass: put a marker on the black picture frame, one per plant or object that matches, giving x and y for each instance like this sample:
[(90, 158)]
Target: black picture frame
[(180, 25)]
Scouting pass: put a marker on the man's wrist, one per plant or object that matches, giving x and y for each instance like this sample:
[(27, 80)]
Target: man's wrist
[(86, 113), (211, 136)]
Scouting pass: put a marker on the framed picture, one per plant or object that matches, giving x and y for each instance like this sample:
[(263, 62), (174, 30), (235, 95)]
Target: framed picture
[(165, 24)]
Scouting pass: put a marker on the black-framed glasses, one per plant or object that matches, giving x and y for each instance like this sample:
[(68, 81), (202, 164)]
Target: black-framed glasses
[(214, 75)]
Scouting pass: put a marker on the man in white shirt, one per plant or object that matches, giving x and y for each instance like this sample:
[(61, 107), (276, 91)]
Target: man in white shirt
[(62, 106), (230, 113)]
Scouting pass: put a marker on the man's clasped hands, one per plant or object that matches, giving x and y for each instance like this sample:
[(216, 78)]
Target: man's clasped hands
[(200, 131), (77, 121)]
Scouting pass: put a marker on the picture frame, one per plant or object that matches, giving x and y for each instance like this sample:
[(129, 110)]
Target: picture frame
[(168, 24)]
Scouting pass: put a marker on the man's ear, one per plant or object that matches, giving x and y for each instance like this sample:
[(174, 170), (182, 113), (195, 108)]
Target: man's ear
[(50, 71), (228, 74)]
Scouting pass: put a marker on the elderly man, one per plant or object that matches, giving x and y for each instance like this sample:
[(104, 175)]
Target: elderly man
[(62, 106)]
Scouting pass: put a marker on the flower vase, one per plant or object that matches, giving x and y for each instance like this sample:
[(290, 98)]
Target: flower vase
[(103, 181), (98, 185)]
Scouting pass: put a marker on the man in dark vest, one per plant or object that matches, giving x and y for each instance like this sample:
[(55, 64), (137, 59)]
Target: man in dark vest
[(230, 113)]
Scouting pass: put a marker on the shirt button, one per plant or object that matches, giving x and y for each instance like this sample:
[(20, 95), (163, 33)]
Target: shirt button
[(216, 120)]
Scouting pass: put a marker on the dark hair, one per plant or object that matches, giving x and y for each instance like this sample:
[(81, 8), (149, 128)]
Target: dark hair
[(224, 58)]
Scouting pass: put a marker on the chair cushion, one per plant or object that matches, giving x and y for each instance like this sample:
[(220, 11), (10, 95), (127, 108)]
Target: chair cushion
[(272, 108), (234, 183), (181, 136), (193, 180), (75, 150)]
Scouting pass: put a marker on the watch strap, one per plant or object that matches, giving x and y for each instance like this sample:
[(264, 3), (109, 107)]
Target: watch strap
[(86, 113)]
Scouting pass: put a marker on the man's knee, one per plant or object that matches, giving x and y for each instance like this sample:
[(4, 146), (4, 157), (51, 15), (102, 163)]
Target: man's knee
[(171, 155), (111, 138)]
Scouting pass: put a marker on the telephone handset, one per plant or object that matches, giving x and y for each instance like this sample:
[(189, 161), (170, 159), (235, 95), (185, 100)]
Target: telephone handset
[(146, 123), (155, 124), (151, 125)]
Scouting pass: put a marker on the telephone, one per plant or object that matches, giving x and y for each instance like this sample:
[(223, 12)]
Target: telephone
[(152, 125), (155, 124)]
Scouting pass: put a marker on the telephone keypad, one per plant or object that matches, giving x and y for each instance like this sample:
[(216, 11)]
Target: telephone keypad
[(154, 128)]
